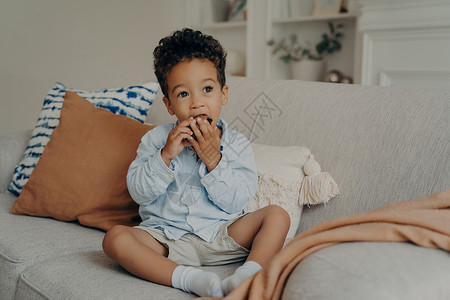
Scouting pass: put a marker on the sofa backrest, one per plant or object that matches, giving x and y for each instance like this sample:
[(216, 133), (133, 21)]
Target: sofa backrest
[(380, 144)]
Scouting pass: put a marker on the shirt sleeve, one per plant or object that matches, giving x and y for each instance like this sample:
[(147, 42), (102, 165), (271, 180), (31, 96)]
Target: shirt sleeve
[(233, 182), (148, 176)]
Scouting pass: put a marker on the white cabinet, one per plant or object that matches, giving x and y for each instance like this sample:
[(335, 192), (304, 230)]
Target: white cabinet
[(266, 19), (405, 42)]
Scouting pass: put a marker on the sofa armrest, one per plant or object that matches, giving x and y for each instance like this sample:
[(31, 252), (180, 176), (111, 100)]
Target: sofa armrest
[(12, 147)]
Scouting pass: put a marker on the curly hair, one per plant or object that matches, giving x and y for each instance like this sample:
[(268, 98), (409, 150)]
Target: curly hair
[(185, 45)]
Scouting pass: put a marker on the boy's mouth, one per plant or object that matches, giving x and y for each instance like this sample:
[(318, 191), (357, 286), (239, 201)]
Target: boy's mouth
[(203, 116)]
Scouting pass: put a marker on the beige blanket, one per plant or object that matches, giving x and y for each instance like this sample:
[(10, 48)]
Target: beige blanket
[(424, 222)]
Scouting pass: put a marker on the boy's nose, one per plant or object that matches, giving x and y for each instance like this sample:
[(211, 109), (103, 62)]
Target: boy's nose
[(197, 102)]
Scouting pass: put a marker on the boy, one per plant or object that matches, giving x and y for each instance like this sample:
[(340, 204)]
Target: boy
[(192, 184)]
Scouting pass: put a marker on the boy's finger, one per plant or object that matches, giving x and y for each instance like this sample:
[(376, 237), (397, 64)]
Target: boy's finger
[(183, 126), (210, 126), (186, 130), (192, 142), (181, 137), (198, 134), (203, 124), (186, 142), (184, 123)]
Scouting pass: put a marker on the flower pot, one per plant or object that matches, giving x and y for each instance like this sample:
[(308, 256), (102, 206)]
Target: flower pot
[(310, 70)]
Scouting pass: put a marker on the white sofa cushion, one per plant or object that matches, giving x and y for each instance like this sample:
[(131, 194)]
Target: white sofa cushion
[(289, 177), (92, 275), (26, 241), (371, 270)]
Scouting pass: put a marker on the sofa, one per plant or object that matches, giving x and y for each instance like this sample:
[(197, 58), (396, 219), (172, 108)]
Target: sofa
[(381, 145)]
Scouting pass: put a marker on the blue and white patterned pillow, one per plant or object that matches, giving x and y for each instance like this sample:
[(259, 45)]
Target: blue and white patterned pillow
[(132, 101)]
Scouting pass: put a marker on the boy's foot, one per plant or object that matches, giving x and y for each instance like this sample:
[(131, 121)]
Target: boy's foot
[(192, 280), (240, 275)]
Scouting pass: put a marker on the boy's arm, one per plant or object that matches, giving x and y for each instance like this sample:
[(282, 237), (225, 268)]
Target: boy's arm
[(148, 176), (233, 182)]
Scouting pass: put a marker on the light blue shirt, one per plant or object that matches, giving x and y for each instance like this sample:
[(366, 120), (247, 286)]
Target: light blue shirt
[(184, 197)]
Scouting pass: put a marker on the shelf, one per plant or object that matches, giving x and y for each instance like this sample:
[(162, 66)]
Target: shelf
[(222, 25), (314, 18), (263, 22)]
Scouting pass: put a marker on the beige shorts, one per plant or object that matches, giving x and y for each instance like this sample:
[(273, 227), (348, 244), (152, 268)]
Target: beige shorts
[(191, 250)]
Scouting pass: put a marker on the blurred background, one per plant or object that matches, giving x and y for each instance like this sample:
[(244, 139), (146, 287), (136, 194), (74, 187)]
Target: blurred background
[(93, 44)]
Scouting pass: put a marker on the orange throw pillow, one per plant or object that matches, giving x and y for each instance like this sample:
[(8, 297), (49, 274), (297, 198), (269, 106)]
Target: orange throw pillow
[(82, 173)]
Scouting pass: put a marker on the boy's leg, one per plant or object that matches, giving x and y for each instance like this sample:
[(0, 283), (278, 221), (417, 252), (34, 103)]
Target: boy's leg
[(142, 255), (139, 253), (263, 232)]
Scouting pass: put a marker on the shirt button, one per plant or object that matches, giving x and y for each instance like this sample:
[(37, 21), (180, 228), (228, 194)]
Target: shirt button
[(190, 182), (191, 152), (171, 176)]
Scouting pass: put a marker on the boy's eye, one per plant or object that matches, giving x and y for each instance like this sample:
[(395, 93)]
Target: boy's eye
[(182, 95), (207, 89)]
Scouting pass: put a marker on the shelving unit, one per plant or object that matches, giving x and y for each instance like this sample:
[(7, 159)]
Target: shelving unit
[(222, 25), (314, 18), (232, 34), (250, 37)]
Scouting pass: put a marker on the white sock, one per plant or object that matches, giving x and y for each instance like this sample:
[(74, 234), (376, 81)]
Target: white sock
[(192, 280), (240, 275)]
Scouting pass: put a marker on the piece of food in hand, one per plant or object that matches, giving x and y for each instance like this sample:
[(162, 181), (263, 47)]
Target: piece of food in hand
[(195, 138)]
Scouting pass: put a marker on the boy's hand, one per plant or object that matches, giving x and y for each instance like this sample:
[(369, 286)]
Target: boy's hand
[(207, 145), (177, 139)]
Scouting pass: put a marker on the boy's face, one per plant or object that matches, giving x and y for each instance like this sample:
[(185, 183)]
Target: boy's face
[(194, 91)]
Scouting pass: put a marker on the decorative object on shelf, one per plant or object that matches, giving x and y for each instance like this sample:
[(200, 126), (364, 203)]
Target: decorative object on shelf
[(327, 7), (346, 79), (237, 11), (235, 63), (220, 9), (313, 61), (335, 76), (299, 8), (351, 6)]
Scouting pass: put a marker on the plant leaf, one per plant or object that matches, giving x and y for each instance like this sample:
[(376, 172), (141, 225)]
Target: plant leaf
[(321, 47), (337, 45), (331, 26)]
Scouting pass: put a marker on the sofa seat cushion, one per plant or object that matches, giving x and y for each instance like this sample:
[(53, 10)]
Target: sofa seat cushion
[(92, 275), (371, 271), (26, 240)]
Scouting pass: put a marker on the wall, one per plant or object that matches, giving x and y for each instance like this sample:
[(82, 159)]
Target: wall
[(86, 44)]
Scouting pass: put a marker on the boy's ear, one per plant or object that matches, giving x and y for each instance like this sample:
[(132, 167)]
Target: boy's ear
[(167, 104), (225, 94)]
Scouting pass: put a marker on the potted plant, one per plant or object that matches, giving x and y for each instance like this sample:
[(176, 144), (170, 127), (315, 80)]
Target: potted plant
[(307, 63)]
